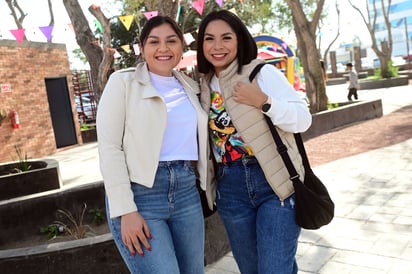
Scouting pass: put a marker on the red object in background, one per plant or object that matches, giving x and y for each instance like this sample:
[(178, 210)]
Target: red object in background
[(15, 120), (407, 57), (265, 54)]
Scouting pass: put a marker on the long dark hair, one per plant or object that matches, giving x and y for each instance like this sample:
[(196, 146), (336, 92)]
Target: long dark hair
[(246, 45), (155, 22)]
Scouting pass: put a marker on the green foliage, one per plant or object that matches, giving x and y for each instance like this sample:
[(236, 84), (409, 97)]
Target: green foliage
[(52, 231), (98, 215), (377, 74), (283, 13), (85, 126), (332, 105), (23, 165), (78, 53), (392, 71)]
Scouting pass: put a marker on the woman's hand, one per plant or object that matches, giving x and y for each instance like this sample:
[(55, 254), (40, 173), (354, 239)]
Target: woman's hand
[(249, 94), (135, 232)]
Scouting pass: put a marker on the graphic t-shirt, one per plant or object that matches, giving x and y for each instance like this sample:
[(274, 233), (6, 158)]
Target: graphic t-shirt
[(228, 145)]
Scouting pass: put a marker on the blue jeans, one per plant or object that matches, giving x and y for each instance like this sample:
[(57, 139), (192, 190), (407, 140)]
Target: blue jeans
[(174, 215), (263, 233)]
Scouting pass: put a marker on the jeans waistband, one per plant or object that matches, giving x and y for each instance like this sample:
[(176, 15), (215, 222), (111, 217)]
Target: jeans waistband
[(177, 163), (244, 161)]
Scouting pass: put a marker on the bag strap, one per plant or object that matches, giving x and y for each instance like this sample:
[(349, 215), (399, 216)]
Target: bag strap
[(255, 71), (281, 148)]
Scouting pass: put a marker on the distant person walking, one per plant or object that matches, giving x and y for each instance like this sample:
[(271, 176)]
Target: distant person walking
[(353, 82)]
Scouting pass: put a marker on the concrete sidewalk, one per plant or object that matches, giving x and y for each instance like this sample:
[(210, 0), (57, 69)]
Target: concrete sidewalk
[(372, 229)]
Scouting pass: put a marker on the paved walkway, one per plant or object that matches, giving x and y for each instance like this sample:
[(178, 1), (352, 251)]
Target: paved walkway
[(372, 230)]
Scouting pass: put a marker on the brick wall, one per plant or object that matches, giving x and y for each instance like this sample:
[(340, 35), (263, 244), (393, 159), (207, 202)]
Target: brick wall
[(25, 67)]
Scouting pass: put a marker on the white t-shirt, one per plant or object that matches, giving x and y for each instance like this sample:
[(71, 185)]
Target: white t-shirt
[(180, 138)]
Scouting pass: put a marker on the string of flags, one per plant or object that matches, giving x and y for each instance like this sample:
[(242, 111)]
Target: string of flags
[(126, 20)]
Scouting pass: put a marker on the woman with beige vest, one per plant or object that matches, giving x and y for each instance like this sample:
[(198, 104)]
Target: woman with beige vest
[(252, 191)]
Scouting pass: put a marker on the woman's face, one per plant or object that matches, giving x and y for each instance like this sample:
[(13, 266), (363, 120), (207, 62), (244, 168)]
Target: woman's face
[(162, 50), (219, 45)]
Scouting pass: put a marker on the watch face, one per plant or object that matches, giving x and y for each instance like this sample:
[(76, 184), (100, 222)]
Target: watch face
[(266, 107)]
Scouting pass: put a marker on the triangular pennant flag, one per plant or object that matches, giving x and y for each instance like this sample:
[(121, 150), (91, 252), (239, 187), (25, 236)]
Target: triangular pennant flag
[(150, 14), (126, 48), (116, 54), (219, 2), (198, 6), (98, 25), (47, 31), (136, 49), (188, 38), (18, 34), (71, 26), (233, 10), (127, 20), (179, 9), (284, 45)]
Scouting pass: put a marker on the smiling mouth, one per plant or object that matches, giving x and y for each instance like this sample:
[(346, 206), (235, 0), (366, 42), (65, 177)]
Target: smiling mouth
[(164, 58), (219, 56)]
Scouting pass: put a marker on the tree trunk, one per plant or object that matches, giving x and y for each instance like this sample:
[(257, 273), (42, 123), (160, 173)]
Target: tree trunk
[(51, 23), (306, 41), (369, 19), (106, 63), (86, 40), (13, 6)]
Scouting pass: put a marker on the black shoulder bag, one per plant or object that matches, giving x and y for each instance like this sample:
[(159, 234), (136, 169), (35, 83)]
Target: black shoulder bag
[(314, 206)]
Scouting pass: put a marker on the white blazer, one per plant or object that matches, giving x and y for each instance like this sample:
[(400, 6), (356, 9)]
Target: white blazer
[(131, 120)]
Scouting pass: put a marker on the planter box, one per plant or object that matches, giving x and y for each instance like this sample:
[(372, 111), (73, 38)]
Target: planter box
[(96, 254), (384, 83), (327, 120), (401, 80), (89, 135), (43, 176)]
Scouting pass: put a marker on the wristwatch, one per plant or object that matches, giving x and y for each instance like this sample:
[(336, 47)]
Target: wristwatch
[(267, 105)]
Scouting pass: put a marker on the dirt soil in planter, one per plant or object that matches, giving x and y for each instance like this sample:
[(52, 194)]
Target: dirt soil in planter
[(339, 143), (41, 239), (13, 167)]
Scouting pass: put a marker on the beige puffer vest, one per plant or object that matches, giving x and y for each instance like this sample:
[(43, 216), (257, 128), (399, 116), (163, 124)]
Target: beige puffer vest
[(254, 130)]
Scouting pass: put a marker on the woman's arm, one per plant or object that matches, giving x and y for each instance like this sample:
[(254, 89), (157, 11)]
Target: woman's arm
[(288, 111)]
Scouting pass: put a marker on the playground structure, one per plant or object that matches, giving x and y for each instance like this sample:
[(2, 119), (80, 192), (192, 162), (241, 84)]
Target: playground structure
[(285, 60)]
